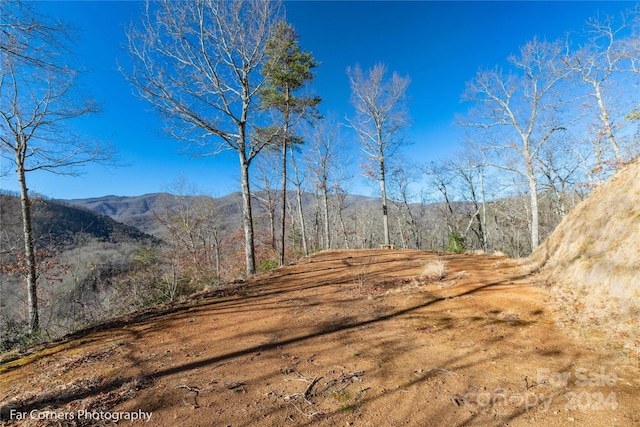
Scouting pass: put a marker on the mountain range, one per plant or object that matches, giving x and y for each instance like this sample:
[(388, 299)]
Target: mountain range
[(59, 223), (139, 211)]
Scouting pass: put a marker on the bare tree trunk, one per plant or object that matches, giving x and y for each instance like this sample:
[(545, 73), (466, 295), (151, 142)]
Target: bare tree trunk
[(217, 253), (604, 117), (268, 200), (272, 228), (533, 198), (402, 237), (283, 211), (303, 229), (385, 215), (407, 225), (32, 272), (485, 229), (340, 198), (325, 208), (344, 231), (247, 217), (535, 221)]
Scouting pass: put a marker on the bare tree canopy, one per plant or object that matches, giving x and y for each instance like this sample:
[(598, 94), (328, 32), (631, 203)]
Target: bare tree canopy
[(31, 39), (604, 58), (40, 93), (381, 115), (198, 63), (519, 112)]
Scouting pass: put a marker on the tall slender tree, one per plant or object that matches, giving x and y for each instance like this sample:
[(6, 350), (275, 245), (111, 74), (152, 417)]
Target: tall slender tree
[(298, 182), (287, 70), (38, 96), (322, 161), (197, 62), (381, 115)]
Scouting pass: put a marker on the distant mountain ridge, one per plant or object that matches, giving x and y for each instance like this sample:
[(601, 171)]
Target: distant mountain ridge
[(135, 211), (120, 206), (60, 222), (139, 211)]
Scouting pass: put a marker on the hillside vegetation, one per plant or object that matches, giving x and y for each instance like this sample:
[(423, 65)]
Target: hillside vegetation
[(57, 224), (354, 220), (81, 254)]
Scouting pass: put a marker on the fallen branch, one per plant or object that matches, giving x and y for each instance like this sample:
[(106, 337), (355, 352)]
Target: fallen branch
[(308, 390), (235, 385), (353, 375), (346, 379), (309, 415)]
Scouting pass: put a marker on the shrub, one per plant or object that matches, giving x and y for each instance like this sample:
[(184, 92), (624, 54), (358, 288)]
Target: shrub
[(455, 242), (266, 265)]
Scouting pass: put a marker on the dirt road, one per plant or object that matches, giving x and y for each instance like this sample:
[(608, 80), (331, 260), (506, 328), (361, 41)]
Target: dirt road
[(342, 338)]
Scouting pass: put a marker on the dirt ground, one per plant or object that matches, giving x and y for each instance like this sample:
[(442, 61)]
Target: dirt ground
[(342, 338)]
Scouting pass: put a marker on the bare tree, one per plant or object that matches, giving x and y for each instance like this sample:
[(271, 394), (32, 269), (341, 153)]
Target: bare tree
[(198, 63), (559, 167), (38, 96), (522, 108), (443, 180), (190, 226), (605, 57), (340, 207), (322, 160), (403, 177), (268, 196), (381, 115), (471, 173)]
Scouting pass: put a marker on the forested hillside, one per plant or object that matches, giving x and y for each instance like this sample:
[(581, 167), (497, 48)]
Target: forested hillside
[(467, 225), (81, 254)]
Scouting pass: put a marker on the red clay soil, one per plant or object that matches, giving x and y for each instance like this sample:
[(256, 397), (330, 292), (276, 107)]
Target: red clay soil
[(342, 338)]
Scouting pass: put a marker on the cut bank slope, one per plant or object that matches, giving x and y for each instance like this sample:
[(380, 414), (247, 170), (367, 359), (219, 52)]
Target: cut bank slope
[(592, 259)]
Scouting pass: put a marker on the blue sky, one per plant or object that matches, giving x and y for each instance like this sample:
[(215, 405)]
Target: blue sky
[(440, 45)]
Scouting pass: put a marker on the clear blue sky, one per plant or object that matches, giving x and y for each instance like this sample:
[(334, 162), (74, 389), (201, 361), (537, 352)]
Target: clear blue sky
[(440, 45)]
